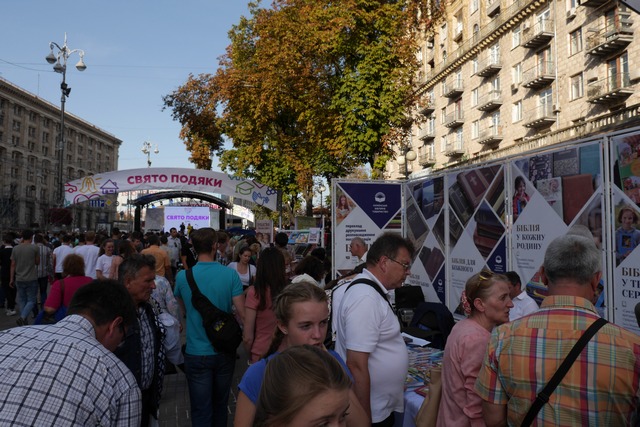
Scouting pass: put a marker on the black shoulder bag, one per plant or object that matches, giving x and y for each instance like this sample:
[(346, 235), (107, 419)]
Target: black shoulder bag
[(221, 327), (543, 397)]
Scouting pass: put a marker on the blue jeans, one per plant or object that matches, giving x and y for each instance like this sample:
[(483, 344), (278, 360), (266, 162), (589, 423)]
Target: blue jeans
[(27, 296), (209, 379)]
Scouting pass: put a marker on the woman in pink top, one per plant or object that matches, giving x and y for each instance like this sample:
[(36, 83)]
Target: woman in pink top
[(259, 319), (486, 301), (74, 279)]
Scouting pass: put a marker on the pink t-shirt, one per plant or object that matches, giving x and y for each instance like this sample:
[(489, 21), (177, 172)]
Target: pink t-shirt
[(71, 285), (265, 324), (463, 355)]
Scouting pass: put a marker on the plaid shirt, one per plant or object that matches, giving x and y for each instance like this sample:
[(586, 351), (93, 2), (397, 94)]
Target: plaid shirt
[(600, 389), (60, 375)]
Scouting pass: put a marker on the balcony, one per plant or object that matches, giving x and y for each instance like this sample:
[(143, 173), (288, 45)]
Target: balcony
[(539, 35), (493, 8), (593, 3), (490, 66), (540, 117), (453, 88), (454, 149), (457, 35), (429, 132), (610, 38), (427, 105), (539, 76), (490, 101), (454, 119), (611, 90), (490, 136), (426, 159)]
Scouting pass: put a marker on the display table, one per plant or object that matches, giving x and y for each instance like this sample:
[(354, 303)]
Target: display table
[(421, 359)]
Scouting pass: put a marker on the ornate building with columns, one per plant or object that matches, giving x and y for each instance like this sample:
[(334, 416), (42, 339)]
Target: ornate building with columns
[(504, 77), (29, 133)]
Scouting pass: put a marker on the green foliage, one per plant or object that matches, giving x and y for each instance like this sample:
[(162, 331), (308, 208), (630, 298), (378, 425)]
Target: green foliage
[(307, 88)]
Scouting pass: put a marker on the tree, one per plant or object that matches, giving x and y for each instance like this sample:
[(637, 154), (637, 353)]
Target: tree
[(307, 88)]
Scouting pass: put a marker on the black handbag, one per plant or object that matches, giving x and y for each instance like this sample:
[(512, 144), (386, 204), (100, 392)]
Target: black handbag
[(221, 327)]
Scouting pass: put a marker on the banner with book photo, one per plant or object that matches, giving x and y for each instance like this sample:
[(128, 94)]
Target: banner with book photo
[(365, 210), (476, 226), (550, 193), (425, 218), (625, 153)]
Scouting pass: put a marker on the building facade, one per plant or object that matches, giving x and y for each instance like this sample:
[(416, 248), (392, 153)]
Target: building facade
[(29, 164), (503, 77)]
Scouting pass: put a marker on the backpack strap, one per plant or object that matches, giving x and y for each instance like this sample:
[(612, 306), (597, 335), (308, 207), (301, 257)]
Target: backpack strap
[(543, 397), (195, 291), (374, 285)]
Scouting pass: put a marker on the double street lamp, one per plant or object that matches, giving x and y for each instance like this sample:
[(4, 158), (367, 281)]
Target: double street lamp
[(60, 59)]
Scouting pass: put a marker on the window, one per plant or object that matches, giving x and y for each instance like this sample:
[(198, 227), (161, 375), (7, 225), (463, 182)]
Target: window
[(443, 32), (443, 113), (575, 42), (475, 129), (618, 72), (516, 112), (516, 73), (443, 142), (15, 140), (32, 116), (474, 5), (495, 84), (577, 90), (16, 126), (495, 120), (17, 110), (32, 131), (515, 37), (474, 65), (474, 97), (459, 139)]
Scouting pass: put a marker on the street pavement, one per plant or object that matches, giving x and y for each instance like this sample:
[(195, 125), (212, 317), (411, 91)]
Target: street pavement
[(174, 407)]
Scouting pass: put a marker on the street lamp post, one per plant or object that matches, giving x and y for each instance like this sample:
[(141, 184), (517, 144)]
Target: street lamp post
[(407, 155), (60, 60), (147, 149)]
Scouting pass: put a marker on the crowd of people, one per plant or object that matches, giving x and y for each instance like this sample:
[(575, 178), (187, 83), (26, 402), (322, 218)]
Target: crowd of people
[(127, 298)]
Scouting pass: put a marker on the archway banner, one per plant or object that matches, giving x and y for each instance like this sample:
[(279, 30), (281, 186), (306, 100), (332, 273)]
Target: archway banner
[(100, 185)]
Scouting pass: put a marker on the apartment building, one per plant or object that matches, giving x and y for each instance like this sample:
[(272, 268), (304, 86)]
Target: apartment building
[(29, 187), (502, 77)]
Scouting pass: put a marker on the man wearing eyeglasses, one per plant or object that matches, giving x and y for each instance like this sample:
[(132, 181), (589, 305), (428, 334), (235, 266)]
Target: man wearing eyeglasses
[(368, 332), (66, 374)]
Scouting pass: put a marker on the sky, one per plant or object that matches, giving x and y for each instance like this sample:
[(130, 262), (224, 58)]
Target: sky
[(136, 51)]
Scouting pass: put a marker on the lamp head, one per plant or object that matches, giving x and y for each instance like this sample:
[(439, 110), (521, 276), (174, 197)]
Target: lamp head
[(58, 68), (81, 65), (411, 155), (51, 58)]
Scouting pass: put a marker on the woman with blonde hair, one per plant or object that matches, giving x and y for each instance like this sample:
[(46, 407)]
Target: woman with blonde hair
[(486, 301), (302, 314)]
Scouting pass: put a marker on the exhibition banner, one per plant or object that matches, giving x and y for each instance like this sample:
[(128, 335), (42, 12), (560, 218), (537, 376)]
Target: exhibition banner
[(476, 227), (96, 186), (424, 212), (625, 152), (550, 194), (365, 210)]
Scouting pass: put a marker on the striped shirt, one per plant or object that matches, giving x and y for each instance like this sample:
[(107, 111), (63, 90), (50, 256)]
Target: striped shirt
[(600, 389), (45, 266), (60, 375)]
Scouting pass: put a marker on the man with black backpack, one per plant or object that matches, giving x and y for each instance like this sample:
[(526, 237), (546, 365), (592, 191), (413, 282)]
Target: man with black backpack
[(368, 332), (209, 366)]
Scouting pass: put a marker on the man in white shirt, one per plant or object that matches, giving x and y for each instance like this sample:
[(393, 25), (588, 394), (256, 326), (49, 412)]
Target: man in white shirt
[(523, 304), (368, 332), (60, 253), (358, 249), (89, 252)]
